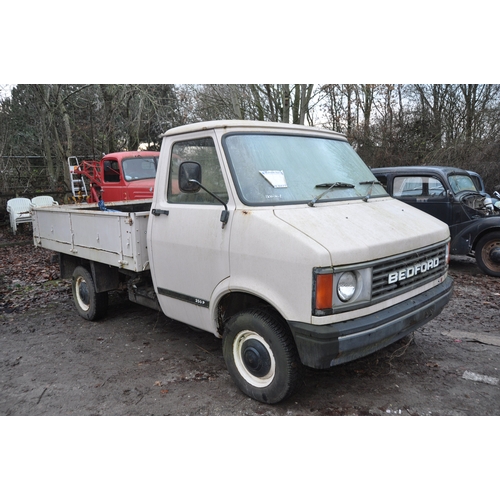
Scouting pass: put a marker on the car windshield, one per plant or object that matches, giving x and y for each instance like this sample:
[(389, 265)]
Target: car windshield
[(271, 169), (460, 183), (139, 168)]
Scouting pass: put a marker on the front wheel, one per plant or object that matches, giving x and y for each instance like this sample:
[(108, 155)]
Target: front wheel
[(261, 356), (488, 254), (89, 304)]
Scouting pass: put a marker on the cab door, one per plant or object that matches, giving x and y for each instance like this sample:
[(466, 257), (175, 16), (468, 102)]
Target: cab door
[(424, 192), (112, 188), (189, 246)]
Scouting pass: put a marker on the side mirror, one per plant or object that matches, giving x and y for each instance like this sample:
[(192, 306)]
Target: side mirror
[(190, 182), (189, 171)]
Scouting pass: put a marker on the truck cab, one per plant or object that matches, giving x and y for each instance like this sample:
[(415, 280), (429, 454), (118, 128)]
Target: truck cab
[(120, 176), (270, 235), (450, 194)]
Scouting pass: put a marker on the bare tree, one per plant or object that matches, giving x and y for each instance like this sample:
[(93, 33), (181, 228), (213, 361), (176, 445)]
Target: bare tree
[(389, 124)]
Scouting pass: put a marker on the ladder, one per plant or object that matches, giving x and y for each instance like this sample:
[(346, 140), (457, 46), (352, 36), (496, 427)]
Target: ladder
[(78, 186)]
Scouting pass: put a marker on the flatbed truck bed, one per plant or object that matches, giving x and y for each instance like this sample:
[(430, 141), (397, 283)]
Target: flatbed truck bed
[(116, 237)]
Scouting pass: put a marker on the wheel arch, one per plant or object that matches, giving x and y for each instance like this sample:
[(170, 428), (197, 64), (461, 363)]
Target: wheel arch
[(106, 278), (235, 302), (484, 232)]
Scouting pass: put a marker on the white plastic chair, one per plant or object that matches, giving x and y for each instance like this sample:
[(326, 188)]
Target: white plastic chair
[(19, 212), (43, 201)]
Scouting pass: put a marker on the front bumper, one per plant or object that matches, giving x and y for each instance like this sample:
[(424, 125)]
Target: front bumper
[(329, 345)]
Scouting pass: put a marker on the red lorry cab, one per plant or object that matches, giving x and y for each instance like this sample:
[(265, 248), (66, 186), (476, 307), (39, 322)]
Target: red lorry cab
[(121, 176)]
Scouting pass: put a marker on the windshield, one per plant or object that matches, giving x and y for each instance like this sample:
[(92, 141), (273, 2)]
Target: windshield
[(461, 183), (139, 168), (270, 169)]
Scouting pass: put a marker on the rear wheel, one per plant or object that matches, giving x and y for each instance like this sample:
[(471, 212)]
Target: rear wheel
[(488, 254), (261, 356), (89, 304)]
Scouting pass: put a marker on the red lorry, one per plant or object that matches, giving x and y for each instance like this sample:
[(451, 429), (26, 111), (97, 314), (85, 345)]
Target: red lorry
[(116, 177)]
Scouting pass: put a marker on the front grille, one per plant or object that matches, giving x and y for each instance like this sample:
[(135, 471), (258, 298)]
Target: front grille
[(402, 265)]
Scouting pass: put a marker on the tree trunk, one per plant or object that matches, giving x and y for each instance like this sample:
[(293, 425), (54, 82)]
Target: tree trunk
[(108, 140), (68, 151), (305, 98), (233, 90), (42, 94), (286, 103), (257, 102)]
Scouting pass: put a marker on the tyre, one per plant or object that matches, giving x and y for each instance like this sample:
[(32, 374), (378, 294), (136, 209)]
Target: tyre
[(89, 304), (488, 254), (261, 356)]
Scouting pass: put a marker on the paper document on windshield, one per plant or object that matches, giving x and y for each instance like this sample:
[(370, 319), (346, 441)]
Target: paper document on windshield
[(275, 177)]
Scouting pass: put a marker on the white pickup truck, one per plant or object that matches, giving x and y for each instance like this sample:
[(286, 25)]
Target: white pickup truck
[(276, 238)]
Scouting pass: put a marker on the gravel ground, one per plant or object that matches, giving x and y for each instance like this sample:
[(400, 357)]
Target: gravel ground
[(138, 362)]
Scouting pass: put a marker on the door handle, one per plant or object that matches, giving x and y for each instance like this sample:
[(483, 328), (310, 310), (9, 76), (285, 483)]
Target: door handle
[(159, 212)]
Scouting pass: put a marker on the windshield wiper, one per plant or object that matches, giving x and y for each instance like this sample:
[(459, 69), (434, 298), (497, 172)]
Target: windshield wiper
[(369, 193), (330, 186)]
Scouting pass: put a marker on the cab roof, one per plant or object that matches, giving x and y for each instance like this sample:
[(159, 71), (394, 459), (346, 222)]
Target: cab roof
[(250, 125), (428, 169), (131, 154)]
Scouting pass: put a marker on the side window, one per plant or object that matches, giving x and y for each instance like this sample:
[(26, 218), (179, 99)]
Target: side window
[(436, 188), (418, 186), (407, 187), (202, 151), (111, 171)]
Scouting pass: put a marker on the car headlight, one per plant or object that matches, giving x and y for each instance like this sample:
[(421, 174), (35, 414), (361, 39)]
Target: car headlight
[(346, 286), (340, 289)]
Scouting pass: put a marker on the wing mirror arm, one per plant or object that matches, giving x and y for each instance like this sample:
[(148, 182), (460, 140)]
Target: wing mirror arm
[(224, 216), (190, 182)]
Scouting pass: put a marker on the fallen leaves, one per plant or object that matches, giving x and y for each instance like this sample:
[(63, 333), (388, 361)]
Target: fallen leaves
[(29, 275)]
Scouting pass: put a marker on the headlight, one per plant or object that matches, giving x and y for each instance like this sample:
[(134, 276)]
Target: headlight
[(352, 287), (341, 289), (346, 286)]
